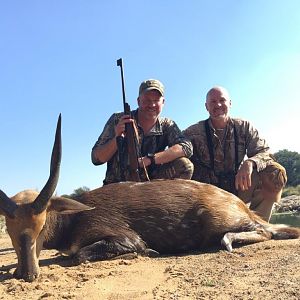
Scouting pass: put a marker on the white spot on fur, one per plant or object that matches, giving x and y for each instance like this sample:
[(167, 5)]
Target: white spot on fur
[(200, 211), (185, 187), (133, 184)]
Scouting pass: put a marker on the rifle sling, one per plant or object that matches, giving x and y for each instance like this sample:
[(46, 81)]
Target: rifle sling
[(137, 143)]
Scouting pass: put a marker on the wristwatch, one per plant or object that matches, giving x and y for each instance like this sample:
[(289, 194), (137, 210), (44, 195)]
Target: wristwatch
[(151, 156)]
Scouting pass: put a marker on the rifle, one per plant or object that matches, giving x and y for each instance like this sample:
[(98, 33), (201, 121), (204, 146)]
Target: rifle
[(128, 146)]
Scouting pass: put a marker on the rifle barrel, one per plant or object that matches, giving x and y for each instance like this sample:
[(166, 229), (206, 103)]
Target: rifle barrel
[(120, 64), (129, 145)]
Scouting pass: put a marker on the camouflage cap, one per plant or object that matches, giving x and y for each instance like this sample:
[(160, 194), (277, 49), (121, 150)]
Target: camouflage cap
[(151, 84)]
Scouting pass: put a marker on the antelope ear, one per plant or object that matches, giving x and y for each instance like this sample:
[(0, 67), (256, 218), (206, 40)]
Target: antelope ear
[(64, 205)]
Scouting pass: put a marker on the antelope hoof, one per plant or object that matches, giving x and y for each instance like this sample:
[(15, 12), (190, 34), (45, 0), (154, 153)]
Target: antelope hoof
[(226, 241), (150, 253)]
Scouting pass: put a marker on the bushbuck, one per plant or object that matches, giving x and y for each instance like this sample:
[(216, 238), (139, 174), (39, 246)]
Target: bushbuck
[(147, 218)]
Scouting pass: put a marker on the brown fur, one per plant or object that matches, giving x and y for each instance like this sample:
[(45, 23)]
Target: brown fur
[(163, 216), (150, 218)]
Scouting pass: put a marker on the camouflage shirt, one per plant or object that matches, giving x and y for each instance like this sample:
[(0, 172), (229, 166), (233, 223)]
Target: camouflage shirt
[(165, 133), (248, 144)]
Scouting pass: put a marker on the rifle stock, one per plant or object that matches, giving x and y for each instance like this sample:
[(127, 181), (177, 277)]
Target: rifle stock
[(128, 146)]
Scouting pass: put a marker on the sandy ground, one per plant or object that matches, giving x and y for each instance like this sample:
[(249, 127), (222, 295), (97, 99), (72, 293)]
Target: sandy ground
[(269, 270)]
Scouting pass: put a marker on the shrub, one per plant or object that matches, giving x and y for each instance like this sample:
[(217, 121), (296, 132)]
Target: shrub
[(291, 190)]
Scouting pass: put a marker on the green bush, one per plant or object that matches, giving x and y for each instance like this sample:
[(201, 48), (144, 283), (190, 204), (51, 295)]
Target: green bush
[(290, 160), (77, 193), (291, 190)]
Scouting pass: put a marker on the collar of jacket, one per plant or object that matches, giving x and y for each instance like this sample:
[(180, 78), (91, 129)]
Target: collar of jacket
[(155, 130), (229, 124)]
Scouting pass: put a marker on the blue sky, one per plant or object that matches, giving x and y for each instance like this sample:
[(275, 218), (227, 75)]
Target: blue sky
[(60, 57)]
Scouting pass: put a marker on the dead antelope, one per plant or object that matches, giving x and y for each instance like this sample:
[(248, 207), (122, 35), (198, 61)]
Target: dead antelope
[(149, 218)]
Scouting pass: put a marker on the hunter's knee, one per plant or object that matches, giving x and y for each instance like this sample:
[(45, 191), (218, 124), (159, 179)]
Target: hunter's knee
[(179, 168), (184, 168), (274, 177)]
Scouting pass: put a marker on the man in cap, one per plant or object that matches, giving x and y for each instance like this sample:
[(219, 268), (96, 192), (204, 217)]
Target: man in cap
[(229, 153), (164, 151)]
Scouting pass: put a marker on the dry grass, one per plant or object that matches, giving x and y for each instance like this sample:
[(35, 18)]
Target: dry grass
[(2, 225)]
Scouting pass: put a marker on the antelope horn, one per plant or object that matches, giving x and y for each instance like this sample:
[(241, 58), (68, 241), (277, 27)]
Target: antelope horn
[(40, 203), (7, 205)]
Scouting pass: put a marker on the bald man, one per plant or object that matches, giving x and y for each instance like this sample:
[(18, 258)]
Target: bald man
[(229, 153)]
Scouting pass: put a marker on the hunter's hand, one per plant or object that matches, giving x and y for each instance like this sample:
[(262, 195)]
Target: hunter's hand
[(243, 176), (120, 127)]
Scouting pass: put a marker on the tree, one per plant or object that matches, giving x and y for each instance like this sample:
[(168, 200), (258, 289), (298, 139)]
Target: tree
[(291, 161), (76, 193)]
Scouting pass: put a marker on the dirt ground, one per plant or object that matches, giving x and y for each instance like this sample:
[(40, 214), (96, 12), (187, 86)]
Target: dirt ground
[(268, 270)]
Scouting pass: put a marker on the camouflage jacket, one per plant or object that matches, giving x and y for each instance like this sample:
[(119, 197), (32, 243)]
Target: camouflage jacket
[(164, 134), (248, 144)]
